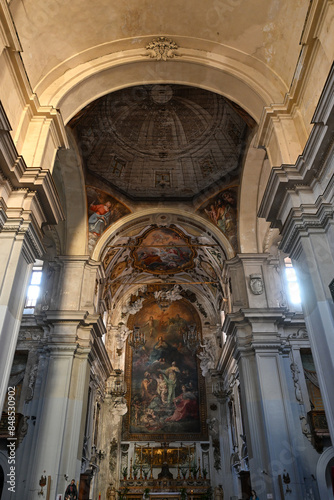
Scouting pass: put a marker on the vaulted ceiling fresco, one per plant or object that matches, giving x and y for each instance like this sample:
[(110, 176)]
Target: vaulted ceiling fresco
[(169, 141), (163, 263), (163, 142), (163, 251)]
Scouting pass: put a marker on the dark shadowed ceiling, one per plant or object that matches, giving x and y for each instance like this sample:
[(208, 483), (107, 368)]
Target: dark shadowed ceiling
[(167, 141)]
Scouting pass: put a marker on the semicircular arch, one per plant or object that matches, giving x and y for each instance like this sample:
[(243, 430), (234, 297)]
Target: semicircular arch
[(119, 226), (238, 76)]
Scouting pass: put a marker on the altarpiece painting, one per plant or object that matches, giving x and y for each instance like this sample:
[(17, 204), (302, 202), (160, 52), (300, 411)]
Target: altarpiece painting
[(165, 387)]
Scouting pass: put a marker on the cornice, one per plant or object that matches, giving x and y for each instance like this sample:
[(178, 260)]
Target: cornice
[(245, 316), (95, 321), (28, 229), (309, 41), (7, 29), (20, 176), (301, 223), (66, 316), (33, 243), (308, 166), (60, 350)]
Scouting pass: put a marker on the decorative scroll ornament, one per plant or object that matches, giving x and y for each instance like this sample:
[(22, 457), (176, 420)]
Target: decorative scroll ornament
[(162, 48), (295, 376), (31, 382), (256, 284)]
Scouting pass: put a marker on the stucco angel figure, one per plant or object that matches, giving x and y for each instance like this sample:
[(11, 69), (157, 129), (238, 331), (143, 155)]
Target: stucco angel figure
[(121, 336), (208, 355), (133, 308), (169, 295)]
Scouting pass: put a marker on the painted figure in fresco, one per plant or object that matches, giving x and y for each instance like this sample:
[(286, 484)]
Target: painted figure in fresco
[(176, 325), (186, 406), (171, 377), (162, 388), (148, 387), (158, 366), (151, 326), (162, 250), (226, 216), (212, 214), (99, 220), (160, 350), (223, 212)]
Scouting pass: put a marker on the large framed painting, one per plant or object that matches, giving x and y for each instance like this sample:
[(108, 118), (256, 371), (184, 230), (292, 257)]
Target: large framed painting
[(166, 391)]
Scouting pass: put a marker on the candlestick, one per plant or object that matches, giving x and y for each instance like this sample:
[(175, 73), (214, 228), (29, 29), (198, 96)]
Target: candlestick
[(178, 463), (130, 477), (141, 463), (151, 476)]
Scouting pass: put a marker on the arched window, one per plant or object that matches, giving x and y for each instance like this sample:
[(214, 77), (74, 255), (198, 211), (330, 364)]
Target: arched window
[(292, 283), (34, 288)]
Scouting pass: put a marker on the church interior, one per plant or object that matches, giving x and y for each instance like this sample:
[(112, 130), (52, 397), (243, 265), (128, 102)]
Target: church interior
[(167, 249)]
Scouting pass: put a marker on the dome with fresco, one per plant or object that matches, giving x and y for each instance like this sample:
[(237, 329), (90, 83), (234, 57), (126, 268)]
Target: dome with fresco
[(162, 140)]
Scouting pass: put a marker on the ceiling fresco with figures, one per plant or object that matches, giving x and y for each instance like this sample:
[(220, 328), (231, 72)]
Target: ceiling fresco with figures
[(221, 209), (168, 141), (163, 251), (164, 264), (103, 210)]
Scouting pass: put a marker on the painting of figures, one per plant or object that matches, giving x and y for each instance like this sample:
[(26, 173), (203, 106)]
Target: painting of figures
[(167, 390), (222, 211), (163, 250), (103, 210)]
